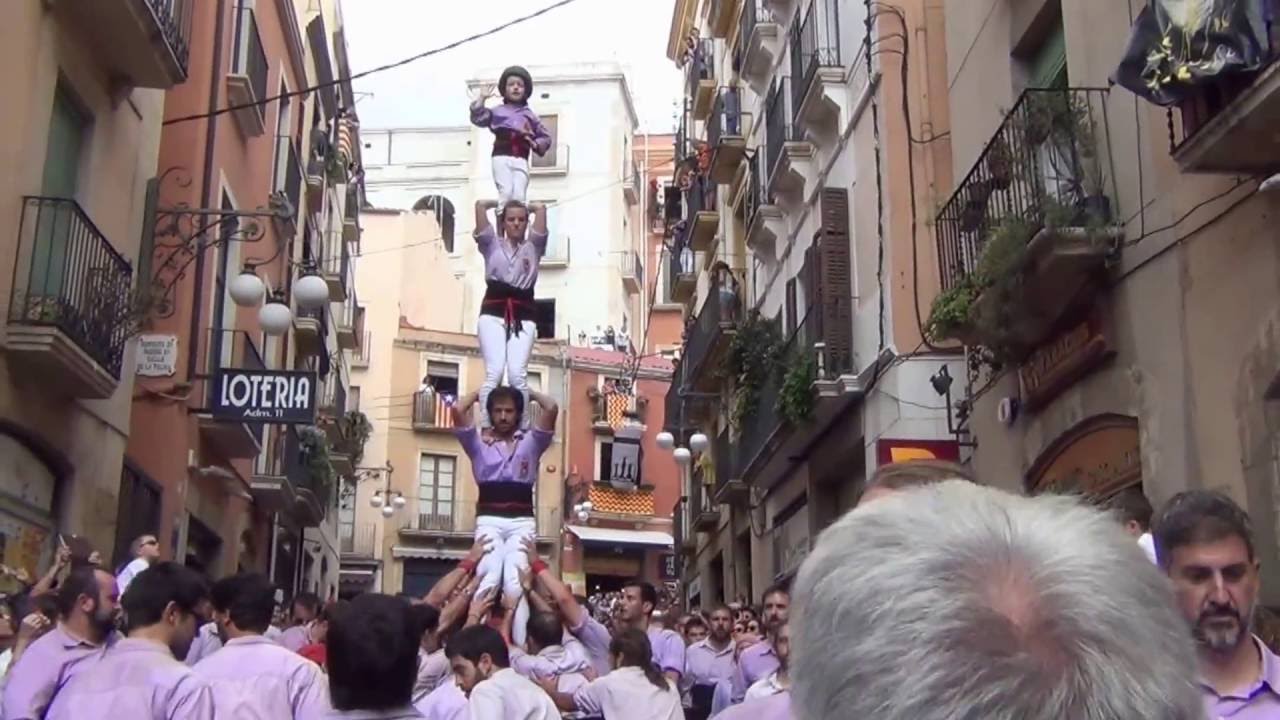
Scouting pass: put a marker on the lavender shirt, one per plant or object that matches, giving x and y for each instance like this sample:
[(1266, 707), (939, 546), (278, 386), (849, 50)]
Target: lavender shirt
[(295, 638), (704, 665), (1258, 701), (774, 707), (493, 462), (433, 669), (134, 679), (446, 702), (516, 118), (668, 649), (252, 677), (206, 643), (595, 640), (47, 665), (755, 663), (516, 266)]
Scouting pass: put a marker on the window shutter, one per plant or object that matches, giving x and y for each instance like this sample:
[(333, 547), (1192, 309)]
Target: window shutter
[(834, 290)]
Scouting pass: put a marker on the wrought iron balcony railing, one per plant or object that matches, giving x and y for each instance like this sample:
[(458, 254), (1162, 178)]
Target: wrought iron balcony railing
[(721, 306), (248, 58), (727, 118), (780, 125), (815, 43), (289, 172)]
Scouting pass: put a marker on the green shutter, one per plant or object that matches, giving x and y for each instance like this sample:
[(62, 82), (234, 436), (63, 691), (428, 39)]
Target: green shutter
[(1049, 66)]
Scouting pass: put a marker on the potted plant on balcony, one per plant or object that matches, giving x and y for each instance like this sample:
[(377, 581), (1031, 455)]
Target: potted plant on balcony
[(356, 429), (1000, 164), (752, 356), (314, 448), (795, 397)]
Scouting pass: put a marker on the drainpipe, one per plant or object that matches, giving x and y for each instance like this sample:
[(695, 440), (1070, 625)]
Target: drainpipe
[(564, 453)]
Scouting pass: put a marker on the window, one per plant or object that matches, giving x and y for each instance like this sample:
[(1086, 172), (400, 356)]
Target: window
[(791, 311), (353, 397), (442, 377), (68, 128), (550, 159), (557, 238), (435, 491), (545, 318), (605, 454)]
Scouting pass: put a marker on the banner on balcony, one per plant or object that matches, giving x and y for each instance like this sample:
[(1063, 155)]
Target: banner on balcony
[(1175, 45), (271, 396), (624, 468)]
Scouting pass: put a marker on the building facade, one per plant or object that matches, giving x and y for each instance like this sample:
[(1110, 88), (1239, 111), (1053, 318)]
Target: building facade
[(797, 241), (1146, 357), (82, 133)]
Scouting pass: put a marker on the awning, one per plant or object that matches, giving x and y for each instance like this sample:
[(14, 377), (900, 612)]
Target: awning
[(614, 536), (427, 553)]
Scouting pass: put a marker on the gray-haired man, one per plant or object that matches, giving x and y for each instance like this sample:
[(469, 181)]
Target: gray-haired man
[(955, 600)]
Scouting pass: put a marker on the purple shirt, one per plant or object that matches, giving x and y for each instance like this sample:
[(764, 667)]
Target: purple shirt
[(704, 665), (446, 702), (48, 664), (433, 669), (206, 643), (134, 679), (755, 663), (516, 118), (295, 638), (493, 462), (595, 640), (774, 707), (516, 266), (668, 649), (1259, 701), (253, 677)]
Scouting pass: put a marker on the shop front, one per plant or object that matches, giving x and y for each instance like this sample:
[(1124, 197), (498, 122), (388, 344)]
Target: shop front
[(1097, 458), (28, 515)]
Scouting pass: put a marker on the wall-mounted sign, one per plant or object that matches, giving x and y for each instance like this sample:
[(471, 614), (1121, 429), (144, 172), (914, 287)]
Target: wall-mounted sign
[(157, 355), (273, 396), (667, 567), (1098, 458), (1052, 367), (891, 451)]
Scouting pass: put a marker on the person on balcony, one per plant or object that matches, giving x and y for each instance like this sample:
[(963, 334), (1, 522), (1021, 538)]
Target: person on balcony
[(505, 462), (506, 328), (517, 131)]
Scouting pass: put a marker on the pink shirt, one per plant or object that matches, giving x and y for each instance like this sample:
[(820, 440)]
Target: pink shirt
[(704, 665), (135, 679), (47, 665), (252, 678)]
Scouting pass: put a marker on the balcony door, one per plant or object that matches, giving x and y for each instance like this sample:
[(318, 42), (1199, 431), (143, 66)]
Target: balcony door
[(56, 221), (436, 475)]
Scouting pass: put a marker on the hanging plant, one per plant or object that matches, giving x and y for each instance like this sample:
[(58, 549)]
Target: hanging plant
[(950, 311), (796, 396), (356, 429), (314, 448)]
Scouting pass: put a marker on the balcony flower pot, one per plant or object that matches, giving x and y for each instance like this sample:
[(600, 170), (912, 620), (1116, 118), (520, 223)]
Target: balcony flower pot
[(1094, 210), (1000, 165), (975, 206)]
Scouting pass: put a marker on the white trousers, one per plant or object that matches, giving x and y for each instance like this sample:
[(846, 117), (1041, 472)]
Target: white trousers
[(504, 354), (511, 175), (501, 565)]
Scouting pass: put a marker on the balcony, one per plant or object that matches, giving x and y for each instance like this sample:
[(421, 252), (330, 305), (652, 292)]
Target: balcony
[(709, 335), (288, 192), (683, 274), (632, 272), (356, 541), (331, 405), (701, 80), (271, 489), (316, 175), (360, 358), (765, 221), (140, 43), (335, 265), (729, 486), (313, 487), (1025, 238), (706, 514), (758, 37), (247, 81), (727, 133), (818, 85), (229, 350), (439, 517), (310, 328), (351, 321), (1228, 126), (70, 307), (703, 217), (686, 541), (720, 14), (609, 410), (351, 216), (431, 412), (788, 154), (631, 187)]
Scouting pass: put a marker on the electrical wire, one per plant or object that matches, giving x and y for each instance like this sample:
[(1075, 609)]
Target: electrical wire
[(381, 68), (1239, 183)]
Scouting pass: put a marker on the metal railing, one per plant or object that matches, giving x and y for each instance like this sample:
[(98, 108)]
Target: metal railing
[(300, 475), (350, 306), (700, 66), (780, 126), (68, 276), (333, 393), (174, 19), (681, 144), (681, 260), (727, 118), (702, 196), (335, 258), (431, 410), (721, 306), (815, 43), (760, 424), (248, 57), (633, 266), (360, 358), (289, 172), (757, 194), (724, 457), (672, 203), (357, 539), (672, 404), (754, 12), (1049, 159)]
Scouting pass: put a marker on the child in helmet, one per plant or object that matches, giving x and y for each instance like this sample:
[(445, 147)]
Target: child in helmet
[(517, 131)]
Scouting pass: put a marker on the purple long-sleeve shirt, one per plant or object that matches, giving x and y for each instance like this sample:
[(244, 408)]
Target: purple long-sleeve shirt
[(755, 663), (253, 677), (705, 665), (46, 666), (668, 650), (517, 119), (136, 679), (774, 707), (493, 462), (595, 640)]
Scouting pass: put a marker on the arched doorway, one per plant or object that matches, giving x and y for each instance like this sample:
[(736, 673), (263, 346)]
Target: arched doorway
[(28, 495), (1097, 458), (443, 209)]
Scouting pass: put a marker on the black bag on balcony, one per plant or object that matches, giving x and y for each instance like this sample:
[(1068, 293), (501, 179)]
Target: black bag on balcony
[(1176, 45)]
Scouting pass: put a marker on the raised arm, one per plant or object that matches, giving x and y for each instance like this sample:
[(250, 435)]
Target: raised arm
[(541, 139), (568, 605), (480, 115), (482, 216), (547, 420), (443, 588), (461, 410), (539, 211)]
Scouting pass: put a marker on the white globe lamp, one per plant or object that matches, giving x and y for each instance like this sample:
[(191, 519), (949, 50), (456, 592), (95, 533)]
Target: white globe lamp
[(683, 456), (388, 511), (665, 440), (698, 442), (588, 506), (247, 289), (311, 291), (275, 317), (399, 501), (376, 500), (583, 516)]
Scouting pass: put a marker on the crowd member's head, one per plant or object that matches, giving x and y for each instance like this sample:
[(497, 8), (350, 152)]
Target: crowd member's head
[(323, 621), (544, 631), (243, 604), (1132, 509), (505, 407), (780, 638), (695, 630), (720, 624), (372, 654), (475, 653), (994, 606), (894, 477), (777, 606), (631, 648), (9, 620), (306, 606), (89, 603), (426, 625), (745, 614), (83, 552), (161, 606), (146, 547), (1204, 541), (639, 599)]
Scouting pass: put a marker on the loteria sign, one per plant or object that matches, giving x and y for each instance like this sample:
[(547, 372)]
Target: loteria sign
[(270, 396)]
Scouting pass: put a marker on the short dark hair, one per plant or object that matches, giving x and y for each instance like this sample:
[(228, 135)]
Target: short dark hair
[(721, 606), (136, 545), (918, 473), (545, 629), (648, 594), (1199, 516), (513, 205), (636, 651), (248, 598), (1131, 504), (153, 589), (426, 618), (372, 654), (695, 621), (775, 589), (472, 642), (308, 600), (80, 581), (505, 392)]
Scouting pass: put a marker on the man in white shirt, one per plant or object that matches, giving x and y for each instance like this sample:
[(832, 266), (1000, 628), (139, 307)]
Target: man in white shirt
[(145, 550), (1134, 510), (478, 655)]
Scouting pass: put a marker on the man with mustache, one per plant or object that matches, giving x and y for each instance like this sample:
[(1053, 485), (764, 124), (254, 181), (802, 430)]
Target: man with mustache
[(1204, 541)]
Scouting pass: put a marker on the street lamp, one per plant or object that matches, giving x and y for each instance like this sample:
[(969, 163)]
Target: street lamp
[(386, 499), (582, 510)]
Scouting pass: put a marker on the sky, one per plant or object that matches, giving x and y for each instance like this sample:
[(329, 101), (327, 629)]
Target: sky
[(433, 91)]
